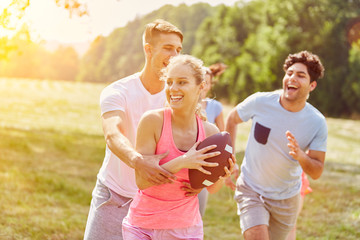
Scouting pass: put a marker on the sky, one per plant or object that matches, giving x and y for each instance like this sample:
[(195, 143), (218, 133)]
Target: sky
[(52, 23)]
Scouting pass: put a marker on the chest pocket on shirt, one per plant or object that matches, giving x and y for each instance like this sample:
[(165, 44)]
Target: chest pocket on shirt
[(261, 133)]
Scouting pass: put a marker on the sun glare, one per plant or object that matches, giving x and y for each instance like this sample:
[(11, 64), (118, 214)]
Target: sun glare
[(11, 13), (4, 3)]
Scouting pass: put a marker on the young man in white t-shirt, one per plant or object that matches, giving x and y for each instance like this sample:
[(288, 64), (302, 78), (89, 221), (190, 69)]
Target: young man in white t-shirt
[(288, 136), (122, 105)]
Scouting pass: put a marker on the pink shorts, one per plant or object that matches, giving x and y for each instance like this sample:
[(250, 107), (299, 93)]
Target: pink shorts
[(131, 232), (305, 186)]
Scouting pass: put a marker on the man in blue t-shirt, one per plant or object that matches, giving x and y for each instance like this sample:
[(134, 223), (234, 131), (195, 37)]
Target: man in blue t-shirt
[(288, 136)]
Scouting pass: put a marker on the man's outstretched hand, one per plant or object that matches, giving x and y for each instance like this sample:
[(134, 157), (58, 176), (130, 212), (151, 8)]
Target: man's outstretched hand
[(189, 191), (149, 169)]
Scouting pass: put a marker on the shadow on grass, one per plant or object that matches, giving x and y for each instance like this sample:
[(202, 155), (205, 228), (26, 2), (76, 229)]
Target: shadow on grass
[(46, 179)]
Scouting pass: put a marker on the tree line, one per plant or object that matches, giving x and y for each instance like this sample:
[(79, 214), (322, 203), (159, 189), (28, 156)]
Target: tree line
[(252, 37)]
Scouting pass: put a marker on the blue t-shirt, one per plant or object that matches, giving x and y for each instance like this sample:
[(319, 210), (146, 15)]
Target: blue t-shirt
[(213, 109), (268, 167)]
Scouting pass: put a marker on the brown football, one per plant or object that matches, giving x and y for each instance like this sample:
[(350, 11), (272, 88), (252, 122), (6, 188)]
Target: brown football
[(222, 140)]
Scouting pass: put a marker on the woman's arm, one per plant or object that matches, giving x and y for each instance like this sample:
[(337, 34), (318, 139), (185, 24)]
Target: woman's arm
[(148, 135), (192, 159)]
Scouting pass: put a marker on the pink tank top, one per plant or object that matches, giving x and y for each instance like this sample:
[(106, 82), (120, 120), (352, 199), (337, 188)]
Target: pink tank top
[(166, 206)]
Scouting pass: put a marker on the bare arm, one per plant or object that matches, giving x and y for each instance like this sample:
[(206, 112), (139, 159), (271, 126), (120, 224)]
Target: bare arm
[(231, 125), (189, 191), (146, 166), (149, 131), (312, 162), (113, 127), (219, 122), (193, 159), (232, 121)]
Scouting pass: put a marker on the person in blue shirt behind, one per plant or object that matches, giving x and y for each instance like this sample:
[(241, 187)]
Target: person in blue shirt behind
[(213, 110)]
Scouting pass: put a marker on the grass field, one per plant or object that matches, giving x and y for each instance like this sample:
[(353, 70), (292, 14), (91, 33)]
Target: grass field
[(51, 148)]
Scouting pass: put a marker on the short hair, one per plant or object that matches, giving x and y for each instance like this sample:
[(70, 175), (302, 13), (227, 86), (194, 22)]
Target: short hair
[(153, 29), (310, 60), (194, 63)]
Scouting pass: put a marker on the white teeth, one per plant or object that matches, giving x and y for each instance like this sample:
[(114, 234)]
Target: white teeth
[(176, 98), (292, 86)]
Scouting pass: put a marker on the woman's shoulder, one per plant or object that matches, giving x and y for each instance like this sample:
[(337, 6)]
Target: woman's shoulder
[(210, 128), (152, 122), (153, 116)]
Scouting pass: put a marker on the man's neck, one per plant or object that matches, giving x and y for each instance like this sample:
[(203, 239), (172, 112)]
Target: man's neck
[(151, 81), (292, 106)]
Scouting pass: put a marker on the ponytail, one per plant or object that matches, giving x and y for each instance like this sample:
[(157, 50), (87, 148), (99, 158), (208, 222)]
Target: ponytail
[(200, 112)]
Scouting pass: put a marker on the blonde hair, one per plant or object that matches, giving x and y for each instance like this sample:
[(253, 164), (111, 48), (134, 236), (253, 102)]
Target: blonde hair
[(153, 29), (197, 68)]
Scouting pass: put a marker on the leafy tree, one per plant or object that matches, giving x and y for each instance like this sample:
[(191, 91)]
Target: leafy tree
[(267, 31), (65, 63), (29, 60), (89, 63), (121, 53), (351, 87), (12, 14), (252, 37), (25, 59)]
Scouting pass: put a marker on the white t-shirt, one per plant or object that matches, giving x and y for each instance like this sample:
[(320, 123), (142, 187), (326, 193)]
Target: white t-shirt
[(130, 96), (268, 167)]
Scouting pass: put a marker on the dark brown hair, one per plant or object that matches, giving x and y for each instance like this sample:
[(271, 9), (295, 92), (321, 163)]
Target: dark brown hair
[(310, 60)]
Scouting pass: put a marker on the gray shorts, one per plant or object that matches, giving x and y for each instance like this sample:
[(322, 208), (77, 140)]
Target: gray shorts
[(254, 209), (106, 214)]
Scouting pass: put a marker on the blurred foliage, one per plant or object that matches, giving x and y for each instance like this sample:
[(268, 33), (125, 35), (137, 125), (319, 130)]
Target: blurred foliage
[(121, 53), (27, 59), (252, 38), (15, 10), (74, 7), (267, 31), (21, 57)]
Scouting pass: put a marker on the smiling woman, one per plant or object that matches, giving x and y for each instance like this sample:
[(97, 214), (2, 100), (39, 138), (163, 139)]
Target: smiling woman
[(184, 81), (171, 210)]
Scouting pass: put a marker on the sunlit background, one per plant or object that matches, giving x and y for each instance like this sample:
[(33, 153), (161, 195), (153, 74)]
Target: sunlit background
[(56, 56), (51, 22), (100, 41)]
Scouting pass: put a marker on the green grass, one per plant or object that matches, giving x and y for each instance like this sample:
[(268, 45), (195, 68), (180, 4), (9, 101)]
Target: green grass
[(51, 148)]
